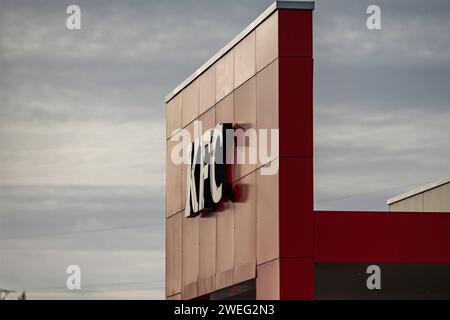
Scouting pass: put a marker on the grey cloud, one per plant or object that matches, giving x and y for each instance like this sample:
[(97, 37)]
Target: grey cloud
[(111, 274), (31, 216), (93, 153), (381, 102), (131, 54), (362, 150), (87, 108), (43, 229)]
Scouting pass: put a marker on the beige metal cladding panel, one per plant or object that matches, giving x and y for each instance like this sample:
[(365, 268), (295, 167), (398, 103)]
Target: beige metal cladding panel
[(411, 204), (207, 227), (207, 90), (208, 119), (190, 129), (175, 297), (267, 216), (173, 115), (267, 97), (225, 110), (245, 59), (173, 255), (268, 281), (267, 41), (225, 246), (267, 106), (437, 199), (224, 75), (189, 103), (245, 229), (207, 267), (190, 256), (225, 114), (173, 182), (245, 117)]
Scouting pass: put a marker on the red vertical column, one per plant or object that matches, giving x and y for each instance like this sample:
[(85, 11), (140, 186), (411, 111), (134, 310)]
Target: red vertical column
[(296, 154)]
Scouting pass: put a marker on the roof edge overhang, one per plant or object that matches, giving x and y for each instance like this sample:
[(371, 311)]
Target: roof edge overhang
[(418, 190)]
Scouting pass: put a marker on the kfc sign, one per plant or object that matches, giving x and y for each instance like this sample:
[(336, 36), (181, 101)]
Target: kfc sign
[(206, 177)]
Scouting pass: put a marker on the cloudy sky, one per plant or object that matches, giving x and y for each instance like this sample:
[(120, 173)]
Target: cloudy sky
[(82, 125)]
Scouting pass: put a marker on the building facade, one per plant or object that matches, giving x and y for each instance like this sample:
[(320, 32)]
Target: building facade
[(266, 241)]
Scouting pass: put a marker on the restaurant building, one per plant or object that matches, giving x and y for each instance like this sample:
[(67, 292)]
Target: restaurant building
[(265, 240)]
